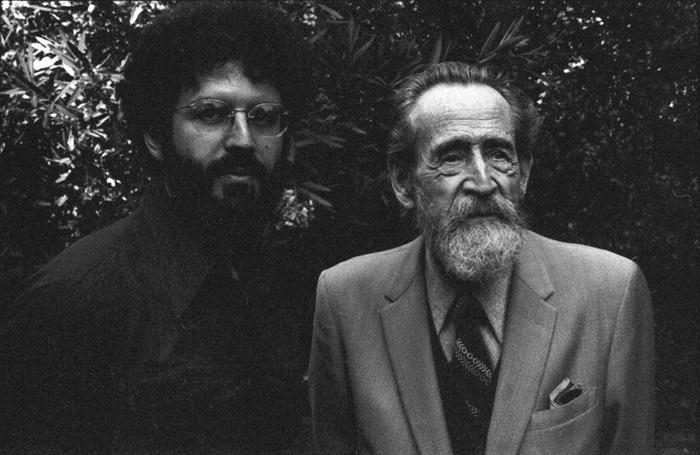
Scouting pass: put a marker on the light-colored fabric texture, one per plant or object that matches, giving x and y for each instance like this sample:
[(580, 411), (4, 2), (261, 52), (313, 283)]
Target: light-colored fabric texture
[(573, 312)]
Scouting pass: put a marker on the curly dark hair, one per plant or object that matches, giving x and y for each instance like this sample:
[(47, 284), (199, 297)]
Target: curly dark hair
[(401, 154), (191, 39)]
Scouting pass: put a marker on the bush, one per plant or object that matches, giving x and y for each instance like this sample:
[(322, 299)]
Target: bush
[(617, 168)]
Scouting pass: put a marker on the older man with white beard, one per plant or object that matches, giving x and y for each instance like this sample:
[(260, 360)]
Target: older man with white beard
[(480, 336)]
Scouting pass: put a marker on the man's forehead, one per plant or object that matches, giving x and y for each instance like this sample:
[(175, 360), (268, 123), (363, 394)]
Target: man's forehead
[(462, 106), (227, 78)]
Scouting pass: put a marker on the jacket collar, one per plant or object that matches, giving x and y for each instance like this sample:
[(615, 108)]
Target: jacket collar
[(529, 326), (530, 322), (405, 318), (410, 267)]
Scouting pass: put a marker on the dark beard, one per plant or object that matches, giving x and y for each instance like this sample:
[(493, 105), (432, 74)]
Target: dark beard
[(240, 216), (470, 248)]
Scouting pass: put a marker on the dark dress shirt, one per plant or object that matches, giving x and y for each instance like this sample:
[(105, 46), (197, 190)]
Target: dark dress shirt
[(142, 338)]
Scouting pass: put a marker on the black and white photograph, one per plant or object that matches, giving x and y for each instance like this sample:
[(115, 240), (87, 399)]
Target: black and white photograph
[(296, 227)]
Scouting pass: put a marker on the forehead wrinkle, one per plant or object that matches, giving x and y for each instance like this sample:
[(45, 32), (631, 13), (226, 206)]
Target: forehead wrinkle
[(456, 100), (473, 112)]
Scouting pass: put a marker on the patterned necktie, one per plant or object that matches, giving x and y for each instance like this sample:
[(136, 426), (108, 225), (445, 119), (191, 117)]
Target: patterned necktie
[(475, 378)]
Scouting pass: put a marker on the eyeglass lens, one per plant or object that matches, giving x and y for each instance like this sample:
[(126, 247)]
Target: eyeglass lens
[(265, 119)]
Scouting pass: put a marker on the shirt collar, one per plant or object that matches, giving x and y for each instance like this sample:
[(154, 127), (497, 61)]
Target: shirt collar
[(492, 295)]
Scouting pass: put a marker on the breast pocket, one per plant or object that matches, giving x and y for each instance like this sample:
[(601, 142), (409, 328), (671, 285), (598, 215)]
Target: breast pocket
[(574, 428)]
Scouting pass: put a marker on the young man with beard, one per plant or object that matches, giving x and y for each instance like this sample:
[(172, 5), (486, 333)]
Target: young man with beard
[(177, 329), (480, 336)]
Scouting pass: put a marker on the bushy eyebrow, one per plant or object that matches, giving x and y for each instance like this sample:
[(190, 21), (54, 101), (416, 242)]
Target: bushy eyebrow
[(499, 142), (466, 143)]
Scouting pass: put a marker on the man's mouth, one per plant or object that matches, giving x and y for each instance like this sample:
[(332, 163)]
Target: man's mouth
[(241, 171), (234, 189)]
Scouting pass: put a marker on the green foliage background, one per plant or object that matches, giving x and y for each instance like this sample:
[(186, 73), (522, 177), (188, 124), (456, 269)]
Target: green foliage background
[(617, 168)]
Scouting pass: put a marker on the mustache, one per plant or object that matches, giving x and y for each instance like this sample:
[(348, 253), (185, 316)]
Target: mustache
[(493, 205), (236, 164)]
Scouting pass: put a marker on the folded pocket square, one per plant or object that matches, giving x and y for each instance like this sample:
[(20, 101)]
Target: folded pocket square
[(564, 393)]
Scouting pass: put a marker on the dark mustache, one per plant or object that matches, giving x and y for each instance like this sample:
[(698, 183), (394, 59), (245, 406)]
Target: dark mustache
[(237, 164)]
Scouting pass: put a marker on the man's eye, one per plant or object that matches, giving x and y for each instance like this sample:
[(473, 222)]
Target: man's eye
[(265, 115), (210, 112), (451, 158), (501, 155)]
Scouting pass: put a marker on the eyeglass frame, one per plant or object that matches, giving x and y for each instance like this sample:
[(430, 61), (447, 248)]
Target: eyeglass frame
[(231, 115)]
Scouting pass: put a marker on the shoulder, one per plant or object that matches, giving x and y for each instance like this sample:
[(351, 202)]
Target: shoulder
[(577, 258), (93, 269), (371, 269), (588, 274)]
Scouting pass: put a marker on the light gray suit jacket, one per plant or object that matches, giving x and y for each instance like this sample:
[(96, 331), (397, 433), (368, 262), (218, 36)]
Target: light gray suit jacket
[(573, 311)]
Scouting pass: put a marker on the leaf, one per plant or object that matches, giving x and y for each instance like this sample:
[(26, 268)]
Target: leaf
[(30, 63), (79, 55), (135, 13), (68, 111), (81, 43), (513, 28), (318, 35), (328, 139), (70, 66), (12, 91), (353, 33), (76, 93), (23, 64), (316, 197), (437, 50), (486, 48), (315, 186), (357, 129), (53, 104), (360, 52), (70, 142), (330, 11), (62, 177), (22, 81), (45, 63)]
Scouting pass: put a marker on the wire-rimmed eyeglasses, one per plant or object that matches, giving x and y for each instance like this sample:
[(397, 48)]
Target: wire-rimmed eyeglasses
[(210, 115)]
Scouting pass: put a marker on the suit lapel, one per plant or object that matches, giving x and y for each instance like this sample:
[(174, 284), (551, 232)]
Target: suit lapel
[(528, 333), (406, 331)]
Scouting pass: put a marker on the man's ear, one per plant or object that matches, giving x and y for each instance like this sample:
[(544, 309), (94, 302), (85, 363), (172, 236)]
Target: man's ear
[(525, 167), (155, 148), (403, 188)]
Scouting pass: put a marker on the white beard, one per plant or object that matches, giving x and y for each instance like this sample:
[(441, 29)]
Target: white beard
[(472, 249)]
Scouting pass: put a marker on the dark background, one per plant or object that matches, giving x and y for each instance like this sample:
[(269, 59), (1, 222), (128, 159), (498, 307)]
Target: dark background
[(618, 165)]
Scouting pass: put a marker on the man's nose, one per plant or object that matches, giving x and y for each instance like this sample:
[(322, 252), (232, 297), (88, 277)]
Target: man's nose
[(238, 133), (478, 178)]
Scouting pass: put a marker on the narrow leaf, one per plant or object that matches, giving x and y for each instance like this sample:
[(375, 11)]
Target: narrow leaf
[(30, 63), (318, 35), (79, 55), (437, 50), (135, 13), (315, 186), (54, 102), (353, 33), (360, 52), (316, 197), (329, 10), (486, 48)]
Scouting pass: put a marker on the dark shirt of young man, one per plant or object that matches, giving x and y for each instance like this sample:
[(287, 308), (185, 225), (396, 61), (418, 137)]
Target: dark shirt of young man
[(178, 328)]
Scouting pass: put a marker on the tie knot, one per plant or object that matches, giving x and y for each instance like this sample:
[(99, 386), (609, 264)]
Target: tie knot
[(466, 303), (468, 311)]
